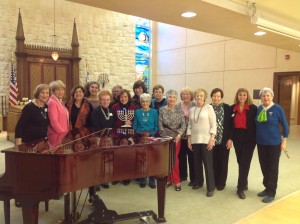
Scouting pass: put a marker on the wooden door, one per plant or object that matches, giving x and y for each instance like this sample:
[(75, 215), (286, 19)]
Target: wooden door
[(285, 95), (46, 73)]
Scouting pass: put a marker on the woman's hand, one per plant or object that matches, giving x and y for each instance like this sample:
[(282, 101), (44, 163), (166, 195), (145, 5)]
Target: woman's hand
[(283, 144), (189, 143), (177, 138), (229, 144), (128, 122), (211, 144)]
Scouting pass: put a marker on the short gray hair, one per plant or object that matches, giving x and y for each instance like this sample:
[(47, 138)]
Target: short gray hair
[(145, 96), (57, 85), (171, 92), (266, 90)]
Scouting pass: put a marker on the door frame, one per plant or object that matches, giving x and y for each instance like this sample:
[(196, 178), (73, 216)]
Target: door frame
[(276, 78)]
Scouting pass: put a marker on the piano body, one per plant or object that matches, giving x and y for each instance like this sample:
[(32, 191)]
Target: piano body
[(37, 172)]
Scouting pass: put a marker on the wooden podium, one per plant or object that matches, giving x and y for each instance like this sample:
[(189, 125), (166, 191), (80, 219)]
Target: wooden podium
[(13, 115)]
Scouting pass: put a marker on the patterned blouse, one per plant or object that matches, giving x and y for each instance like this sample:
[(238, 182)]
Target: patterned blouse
[(171, 122)]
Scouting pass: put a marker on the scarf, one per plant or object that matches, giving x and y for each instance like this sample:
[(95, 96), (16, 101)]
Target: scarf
[(83, 114), (262, 117)]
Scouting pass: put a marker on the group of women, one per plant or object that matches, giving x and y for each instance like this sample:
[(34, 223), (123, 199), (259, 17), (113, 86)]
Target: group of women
[(203, 133)]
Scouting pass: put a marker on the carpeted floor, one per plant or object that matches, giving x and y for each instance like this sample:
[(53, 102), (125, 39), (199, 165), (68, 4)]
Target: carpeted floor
[(187, 206)]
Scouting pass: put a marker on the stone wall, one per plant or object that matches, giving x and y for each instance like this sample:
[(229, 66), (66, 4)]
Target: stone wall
[(106, 38)]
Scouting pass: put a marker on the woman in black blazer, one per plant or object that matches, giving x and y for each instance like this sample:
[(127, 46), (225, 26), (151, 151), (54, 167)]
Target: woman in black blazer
[(243, 113), (223, 139)]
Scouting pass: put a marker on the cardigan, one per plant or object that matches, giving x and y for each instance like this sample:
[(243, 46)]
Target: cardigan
[(268, 133)]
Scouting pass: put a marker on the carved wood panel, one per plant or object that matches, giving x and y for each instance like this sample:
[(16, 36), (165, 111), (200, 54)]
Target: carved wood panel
[(35, 77)]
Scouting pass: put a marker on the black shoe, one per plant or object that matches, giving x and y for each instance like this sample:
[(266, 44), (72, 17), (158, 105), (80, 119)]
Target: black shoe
[(209, 193), (241, 194), (142, 185), (126, 182), (106, 186), (191, 184), (114, 182), (169, 184), (195, 187), (177, 188), (263, 193), (245, 188), (97, 188), (268, 199), (220, 188), (153, 186)]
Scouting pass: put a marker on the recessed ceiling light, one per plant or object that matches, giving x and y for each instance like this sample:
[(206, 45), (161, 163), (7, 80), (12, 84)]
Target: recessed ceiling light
[(188, 14), (260, 33)]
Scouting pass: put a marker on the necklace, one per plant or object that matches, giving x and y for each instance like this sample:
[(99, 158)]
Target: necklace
[(145, 116), (195, 121), (106, 116), (43, 112)]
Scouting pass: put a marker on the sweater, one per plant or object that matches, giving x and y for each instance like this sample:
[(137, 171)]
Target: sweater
[(146, 121), (268, 133), (33, 123), (202, 123)]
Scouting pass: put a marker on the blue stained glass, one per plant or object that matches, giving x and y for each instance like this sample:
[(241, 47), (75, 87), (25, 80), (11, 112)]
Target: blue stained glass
[(142, 50)]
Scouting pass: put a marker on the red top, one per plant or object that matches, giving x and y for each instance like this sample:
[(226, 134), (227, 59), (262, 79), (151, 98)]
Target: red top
[(240, 116)]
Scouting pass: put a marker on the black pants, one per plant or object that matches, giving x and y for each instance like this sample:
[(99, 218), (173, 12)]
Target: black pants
[(244, 148), (185, 155), (220, 158), (201, 154), (269, 163)]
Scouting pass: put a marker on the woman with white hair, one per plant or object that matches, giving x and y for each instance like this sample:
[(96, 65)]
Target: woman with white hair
[(146, 118), (171, 123), (270, 142), (146, 122)]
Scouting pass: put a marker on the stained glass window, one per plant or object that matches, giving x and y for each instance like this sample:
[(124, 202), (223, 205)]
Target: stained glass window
[(142, 49)]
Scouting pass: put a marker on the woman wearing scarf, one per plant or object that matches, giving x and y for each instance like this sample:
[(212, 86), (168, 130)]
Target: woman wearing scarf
[(79, 109), (223, 141), (270, 143)]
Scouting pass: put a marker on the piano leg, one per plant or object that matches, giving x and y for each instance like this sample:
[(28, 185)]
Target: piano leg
[(161, 198), (6, 204), (30, 211)]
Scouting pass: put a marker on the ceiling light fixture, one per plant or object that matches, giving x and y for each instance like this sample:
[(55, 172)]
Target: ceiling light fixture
[(275, 28), (260, 33), (54, 54), (188, 14)]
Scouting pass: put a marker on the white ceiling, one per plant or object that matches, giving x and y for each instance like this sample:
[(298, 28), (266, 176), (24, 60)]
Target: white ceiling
[(221, 17)]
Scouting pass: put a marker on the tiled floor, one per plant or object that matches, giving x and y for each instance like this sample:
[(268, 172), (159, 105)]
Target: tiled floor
[(187, 206)]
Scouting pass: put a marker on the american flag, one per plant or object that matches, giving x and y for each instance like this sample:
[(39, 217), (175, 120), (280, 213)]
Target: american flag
[(13, 86)]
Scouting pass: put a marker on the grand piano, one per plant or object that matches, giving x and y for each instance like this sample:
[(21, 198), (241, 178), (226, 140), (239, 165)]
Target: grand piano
[(49, 168)]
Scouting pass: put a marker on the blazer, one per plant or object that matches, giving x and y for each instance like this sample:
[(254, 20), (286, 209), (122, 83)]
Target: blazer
[(250, 121), (58, 115)]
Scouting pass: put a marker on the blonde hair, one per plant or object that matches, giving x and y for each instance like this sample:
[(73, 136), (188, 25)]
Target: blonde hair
[(201, 90), (103, 93), (189, 91), (249, 100), (57, 84)]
